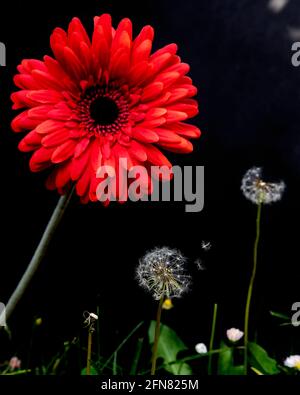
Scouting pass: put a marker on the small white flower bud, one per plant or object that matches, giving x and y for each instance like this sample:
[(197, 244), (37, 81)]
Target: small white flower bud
[(234, 335), (293, 361), (201, 348)]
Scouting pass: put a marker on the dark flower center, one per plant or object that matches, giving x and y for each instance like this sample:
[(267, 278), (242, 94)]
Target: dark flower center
[(104, 110)]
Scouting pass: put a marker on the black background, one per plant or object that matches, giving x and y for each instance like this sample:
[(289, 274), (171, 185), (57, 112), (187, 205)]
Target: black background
[(240, 57)]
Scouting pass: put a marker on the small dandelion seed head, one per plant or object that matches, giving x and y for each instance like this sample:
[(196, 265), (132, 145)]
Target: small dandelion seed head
[(162, 272), (258, 191)]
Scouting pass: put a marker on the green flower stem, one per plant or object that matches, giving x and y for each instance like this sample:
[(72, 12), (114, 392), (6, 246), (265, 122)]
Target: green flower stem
[(89, 351), (39, 253), (212, 337), (156, 336), (250, 289)]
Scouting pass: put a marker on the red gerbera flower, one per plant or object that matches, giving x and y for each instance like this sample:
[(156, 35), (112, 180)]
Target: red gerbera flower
[(101, 100)]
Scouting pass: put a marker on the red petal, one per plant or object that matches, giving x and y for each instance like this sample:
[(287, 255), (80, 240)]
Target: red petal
[(155, 113), (178, 94), (45, 80), (63, 175), (167, 136), (56, 138), (81, 147), (139, 73), (23, 122), (145, 135), (55, 69), (175, 116), (45, 96), (152, 91), (181, 68), (79, 164), (137, 150), (183, 147), (39, 112), (40, 160), (83, 183), (49, 126), (141, 52), (76, 26), (96, 156), (21, 99), (64, 151), (168, 78), (25, 81), (147, 33), (122, 153), (30, 142), (153, 123), (185, 129), (170, 49), (155, 157)]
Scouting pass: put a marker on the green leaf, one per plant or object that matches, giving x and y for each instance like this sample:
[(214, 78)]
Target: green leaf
[(260, 360), (169, 345), (237, 370), (226, 363), (93, 372)]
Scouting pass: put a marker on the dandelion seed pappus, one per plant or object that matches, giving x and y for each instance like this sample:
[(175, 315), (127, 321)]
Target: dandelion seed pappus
[(206, 245)]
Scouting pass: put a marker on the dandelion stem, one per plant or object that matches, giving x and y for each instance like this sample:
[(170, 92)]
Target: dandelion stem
[(39, 253), (250, 289), (89, 351), (212, 337), (98, 332), (156, 336)]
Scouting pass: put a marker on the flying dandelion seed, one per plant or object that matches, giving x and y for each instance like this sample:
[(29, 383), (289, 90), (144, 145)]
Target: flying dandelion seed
[(258, 191), (200, 265), (206, 245), (162, 272)]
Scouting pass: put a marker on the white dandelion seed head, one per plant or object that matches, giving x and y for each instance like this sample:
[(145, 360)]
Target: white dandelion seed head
[(201, 348), (293, 361), (162, 272), (258, 191), (234, 334)]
